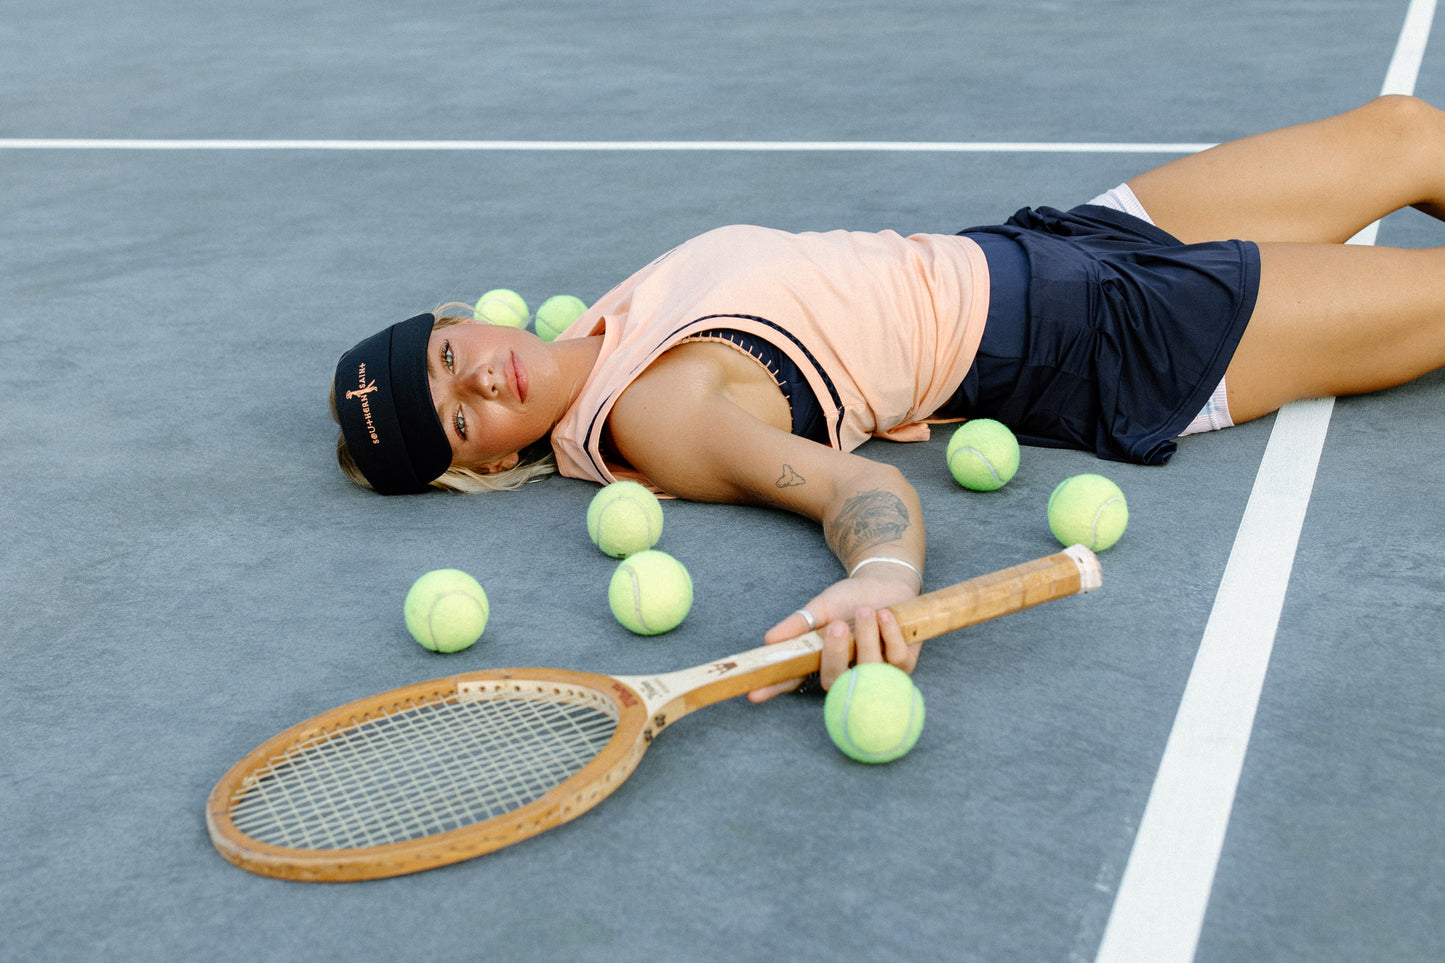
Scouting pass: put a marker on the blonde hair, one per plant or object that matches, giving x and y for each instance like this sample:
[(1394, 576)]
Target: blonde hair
[(536, 461)]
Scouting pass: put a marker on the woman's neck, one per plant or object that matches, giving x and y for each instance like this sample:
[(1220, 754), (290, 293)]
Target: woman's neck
[(576, 357)]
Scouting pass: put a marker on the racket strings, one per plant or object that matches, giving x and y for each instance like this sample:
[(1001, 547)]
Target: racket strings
[(420, 771)]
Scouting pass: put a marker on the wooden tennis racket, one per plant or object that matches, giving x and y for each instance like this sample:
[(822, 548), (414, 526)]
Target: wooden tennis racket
[(441, 771)]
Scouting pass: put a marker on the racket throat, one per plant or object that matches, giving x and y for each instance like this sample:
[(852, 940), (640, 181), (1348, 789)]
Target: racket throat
[(672, 695)]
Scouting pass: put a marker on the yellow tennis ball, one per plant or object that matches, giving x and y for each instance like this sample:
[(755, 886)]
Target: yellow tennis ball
[(501, 306), (650, 592), (446, 610), (557, 314), (983, 455), (874, 712), (624, 517), (1088, 510)]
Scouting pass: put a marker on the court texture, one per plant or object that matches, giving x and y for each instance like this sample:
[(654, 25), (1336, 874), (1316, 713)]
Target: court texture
[(1231, 752)]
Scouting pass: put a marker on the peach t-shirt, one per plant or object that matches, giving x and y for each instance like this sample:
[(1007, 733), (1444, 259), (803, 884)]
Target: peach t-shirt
[(893, 321)]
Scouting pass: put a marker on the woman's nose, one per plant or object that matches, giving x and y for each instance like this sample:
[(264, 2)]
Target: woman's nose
[(481, 380)]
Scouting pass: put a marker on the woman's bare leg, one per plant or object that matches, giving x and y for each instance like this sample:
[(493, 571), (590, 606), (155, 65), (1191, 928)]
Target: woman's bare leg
[(1335, 320), (1319, 182)]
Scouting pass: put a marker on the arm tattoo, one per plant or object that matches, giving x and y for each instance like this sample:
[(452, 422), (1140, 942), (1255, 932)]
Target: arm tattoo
[(790, 478), (867, 519)]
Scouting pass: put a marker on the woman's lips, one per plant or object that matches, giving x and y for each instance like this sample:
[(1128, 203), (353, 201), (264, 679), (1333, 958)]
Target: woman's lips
[(519, 377)]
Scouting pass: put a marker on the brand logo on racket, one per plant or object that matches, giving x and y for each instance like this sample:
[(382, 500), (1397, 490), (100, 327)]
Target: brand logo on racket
[(624, 694)]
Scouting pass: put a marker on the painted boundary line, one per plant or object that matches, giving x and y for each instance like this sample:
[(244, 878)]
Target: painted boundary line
[(761, 146), (1159, 910)]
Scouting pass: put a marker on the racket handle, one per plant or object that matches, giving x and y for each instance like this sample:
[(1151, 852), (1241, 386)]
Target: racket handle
[(670, 697), (1073, 571)]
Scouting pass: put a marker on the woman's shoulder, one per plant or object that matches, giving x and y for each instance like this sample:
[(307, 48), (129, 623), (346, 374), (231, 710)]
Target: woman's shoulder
[(690, 377), (701, 421)]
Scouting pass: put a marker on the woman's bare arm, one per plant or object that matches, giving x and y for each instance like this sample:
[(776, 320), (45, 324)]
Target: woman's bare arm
[(683, 426)]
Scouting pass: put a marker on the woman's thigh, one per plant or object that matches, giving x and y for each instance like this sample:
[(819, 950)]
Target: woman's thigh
[(1336, 319), (1319, 182)]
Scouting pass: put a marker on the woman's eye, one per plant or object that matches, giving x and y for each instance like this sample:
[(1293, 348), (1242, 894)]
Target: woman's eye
[(459, 422), (447, 358)]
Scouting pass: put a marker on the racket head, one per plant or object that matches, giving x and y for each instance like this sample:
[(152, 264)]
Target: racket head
[(428, 774)]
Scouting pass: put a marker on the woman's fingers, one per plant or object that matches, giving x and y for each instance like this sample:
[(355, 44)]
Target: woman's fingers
[(793, 626), (839, 645), (873, 636), (896, 649)]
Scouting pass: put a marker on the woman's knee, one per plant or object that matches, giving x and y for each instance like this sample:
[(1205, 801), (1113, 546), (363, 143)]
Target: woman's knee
[(1407, 109), (1407, 124), (1403, 145)]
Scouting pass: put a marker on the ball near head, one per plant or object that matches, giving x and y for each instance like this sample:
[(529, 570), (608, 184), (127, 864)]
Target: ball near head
[(557, 314), (650, 592), (502, 306), (983, 455), (623, 518), (446, 610), (874, 712), (1088, 510)]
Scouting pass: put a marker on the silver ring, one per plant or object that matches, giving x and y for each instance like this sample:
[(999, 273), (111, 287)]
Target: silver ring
[(812, 623)]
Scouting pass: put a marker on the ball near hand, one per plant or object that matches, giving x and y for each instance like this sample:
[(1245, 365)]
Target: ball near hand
[(502, 306), (1088, 510), (557, 314), (983, 455), (874, 712), (624, 517), (446, 610), (650, 592)]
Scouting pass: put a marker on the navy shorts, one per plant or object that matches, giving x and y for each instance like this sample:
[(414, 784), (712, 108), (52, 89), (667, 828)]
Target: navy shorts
[(1104, 332)]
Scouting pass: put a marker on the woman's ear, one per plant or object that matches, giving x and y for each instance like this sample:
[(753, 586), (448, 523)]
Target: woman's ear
[(505, 463)]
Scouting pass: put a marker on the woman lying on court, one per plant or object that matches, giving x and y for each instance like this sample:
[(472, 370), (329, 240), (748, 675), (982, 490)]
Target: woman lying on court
[(746, 364)]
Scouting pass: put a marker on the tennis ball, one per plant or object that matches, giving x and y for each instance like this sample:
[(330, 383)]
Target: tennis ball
[(557, 314), (1088, 510), (501, 306), (650, 592), (983, 455), (624, 518), (874, 712), (446, 610)]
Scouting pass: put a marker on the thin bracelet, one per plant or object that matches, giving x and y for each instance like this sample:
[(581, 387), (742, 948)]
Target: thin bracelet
[(886, 558)]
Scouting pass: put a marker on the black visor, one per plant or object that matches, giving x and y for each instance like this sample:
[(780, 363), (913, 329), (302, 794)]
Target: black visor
[(385, 405)]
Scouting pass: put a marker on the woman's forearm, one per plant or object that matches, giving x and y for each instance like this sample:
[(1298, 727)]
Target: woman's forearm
[(880, 525)]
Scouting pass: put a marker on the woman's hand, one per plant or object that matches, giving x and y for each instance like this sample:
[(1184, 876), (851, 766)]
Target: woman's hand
[(873, 636)]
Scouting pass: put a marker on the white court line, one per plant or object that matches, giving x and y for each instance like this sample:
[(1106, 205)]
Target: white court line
[(1159, 910), (917, 147)]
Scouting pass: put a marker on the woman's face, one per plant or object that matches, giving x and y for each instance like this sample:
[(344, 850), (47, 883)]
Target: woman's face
[(496, 390)]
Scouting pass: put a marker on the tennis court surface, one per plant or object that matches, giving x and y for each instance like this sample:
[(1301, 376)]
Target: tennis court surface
[(1232, 752)]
